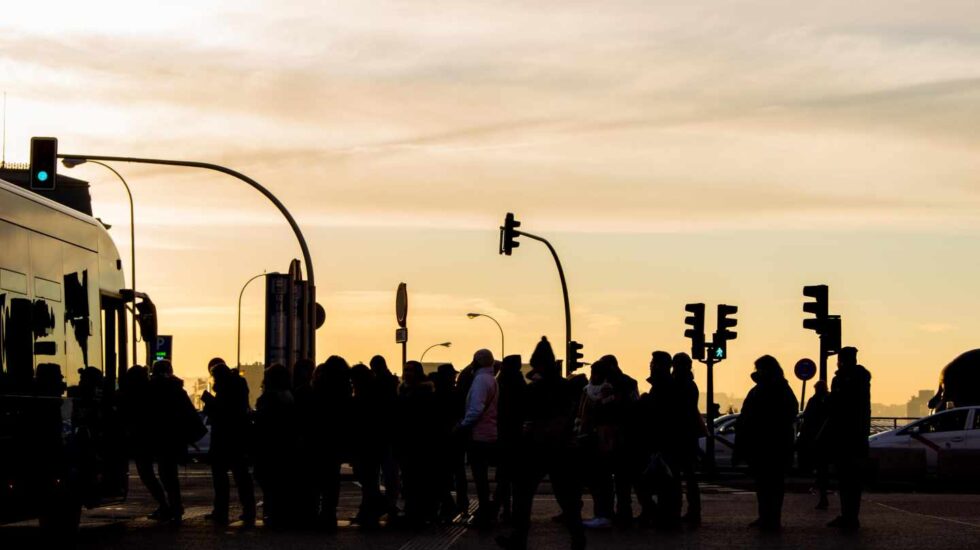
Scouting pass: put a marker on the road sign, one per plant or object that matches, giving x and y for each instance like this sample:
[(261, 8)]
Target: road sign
[(401, 305), (164, 348), (805, 369), (401, 335)]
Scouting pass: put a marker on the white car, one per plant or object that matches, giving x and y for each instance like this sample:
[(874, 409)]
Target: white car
[(724, 440), (944, 444)]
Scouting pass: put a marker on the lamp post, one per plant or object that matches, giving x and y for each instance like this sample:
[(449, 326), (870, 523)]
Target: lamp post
[(475, 315), (238, 358), (307, 258), (443, 344), (73, 162)]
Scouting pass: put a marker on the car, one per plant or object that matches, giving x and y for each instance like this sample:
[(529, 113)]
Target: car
[(724, 439), (944, 445), (199, 451)]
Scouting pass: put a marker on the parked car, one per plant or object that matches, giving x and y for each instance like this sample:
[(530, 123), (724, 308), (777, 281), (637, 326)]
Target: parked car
[(199, 451), (724, 440), (944, 445)]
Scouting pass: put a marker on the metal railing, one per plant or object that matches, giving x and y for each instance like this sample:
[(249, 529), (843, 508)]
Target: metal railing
[(884, 423)]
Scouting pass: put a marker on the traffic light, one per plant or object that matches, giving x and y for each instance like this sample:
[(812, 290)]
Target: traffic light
[(696, 332), (509, 234), (818, 307), (723, 334), (44, 163), (831, 334), (574, 356)]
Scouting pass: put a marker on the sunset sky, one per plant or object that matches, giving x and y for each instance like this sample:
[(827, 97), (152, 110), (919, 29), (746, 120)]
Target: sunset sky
[(673, 152)]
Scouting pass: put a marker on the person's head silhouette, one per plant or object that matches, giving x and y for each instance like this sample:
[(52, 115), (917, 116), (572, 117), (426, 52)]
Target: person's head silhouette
[(847, 357)]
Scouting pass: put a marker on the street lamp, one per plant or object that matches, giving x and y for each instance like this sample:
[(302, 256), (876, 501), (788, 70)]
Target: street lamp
[(73, 162), (444, 344), (307, 258), (475, 315), (238, 357)]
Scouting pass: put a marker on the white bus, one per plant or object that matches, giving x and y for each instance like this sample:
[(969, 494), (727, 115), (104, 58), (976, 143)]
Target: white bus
[(62, 309)]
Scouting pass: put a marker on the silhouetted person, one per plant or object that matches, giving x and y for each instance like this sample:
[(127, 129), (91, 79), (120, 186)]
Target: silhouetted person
[(616, 415), (764, 437), (444, 449), (367, 448), (388, 398), (812, 457), (306, 503), (848, 428), (479, 424), (276, 445), (691, 429), (458, 451), (228, 414), (659, 411), (547, 449), (134, 412), (595, 432), (40, 432), (88, 419), (170, 421), (417, 430), (959, 383), (510, 421), (331, 445)]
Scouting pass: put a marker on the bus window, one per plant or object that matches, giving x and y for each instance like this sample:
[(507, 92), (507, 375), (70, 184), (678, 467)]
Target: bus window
[(13, 281), (48, 309), (83, 346)]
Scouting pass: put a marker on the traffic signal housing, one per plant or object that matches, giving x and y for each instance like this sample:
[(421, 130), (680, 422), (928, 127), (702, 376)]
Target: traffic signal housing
[(723, 335), (696, 331), (509, 234), (44, 163), (818, 307), (574, 356), (830, 334)]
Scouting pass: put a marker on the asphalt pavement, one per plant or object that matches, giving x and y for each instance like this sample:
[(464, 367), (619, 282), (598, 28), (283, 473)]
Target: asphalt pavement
[(890, 520)]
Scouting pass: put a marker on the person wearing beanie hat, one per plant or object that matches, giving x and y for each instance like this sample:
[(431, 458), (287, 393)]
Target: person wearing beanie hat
[(543, 361), (546, 448)]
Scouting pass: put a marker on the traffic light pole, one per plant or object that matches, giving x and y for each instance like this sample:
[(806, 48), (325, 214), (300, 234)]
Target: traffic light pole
[(564, 292), (823, 359), (307, 258), (709, 443)]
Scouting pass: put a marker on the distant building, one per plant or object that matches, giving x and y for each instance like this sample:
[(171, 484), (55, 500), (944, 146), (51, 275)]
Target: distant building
[(918, 405), (888, 411), (197, 387), (726, 402)]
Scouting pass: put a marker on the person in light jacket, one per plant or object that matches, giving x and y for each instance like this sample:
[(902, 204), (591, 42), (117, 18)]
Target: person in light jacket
[(479, 426)]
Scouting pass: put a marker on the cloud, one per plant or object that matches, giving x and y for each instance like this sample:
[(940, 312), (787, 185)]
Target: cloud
[(936, 328)]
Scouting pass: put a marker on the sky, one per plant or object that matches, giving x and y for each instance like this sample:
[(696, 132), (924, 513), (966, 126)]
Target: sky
[(673, 152)]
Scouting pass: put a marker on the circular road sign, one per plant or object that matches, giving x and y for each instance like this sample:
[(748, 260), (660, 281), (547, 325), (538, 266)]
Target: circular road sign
[(401, 304), (805, 369)]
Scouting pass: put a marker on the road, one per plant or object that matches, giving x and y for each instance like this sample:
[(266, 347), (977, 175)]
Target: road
[(890, 521)]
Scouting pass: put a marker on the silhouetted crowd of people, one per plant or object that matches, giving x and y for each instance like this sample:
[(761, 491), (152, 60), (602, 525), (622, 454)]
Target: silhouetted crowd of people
[(409, 440)]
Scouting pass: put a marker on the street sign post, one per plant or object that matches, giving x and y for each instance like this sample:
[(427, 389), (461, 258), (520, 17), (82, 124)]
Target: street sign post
[(401, 315), (164, 348), (805, 369)]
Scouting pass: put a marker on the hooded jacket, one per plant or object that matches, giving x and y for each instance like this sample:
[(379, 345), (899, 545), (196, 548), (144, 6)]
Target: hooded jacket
[(481, 406)]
